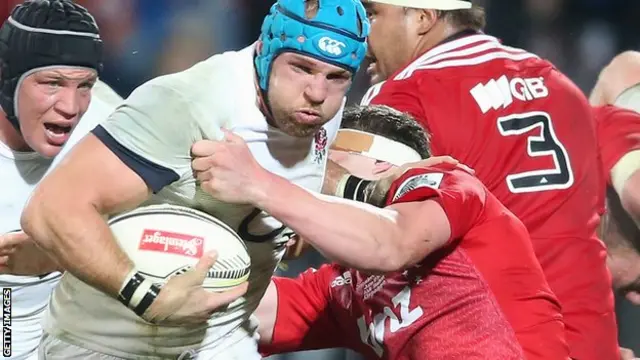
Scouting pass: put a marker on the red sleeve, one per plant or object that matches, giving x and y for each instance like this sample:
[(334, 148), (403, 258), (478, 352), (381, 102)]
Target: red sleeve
[(304, 319), (618, 134), (460, 194)]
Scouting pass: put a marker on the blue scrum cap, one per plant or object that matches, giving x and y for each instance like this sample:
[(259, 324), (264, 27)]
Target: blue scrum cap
[(336, 35)]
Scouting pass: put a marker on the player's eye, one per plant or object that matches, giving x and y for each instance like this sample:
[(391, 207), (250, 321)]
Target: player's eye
[(302, 68), (87, 85), (342, 77), (53, 83)]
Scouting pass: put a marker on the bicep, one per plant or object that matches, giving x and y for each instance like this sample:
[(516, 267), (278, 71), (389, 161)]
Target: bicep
[(424, 226), (266, 313), (93, 174), (152, 134)]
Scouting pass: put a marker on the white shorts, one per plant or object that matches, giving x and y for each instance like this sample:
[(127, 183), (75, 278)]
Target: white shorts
[(52, 348)]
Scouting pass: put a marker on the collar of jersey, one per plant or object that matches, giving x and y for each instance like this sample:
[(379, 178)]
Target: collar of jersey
[(9, 153), (451, 43)]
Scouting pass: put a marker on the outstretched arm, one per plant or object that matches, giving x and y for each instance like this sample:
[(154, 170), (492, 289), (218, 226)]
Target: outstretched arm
[(357, 235)]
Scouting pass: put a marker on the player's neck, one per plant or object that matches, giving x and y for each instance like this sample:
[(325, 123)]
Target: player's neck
[(439, 33), (10, 136)]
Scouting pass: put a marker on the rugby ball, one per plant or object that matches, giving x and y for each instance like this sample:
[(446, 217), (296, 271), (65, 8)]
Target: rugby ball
[(167, 240)]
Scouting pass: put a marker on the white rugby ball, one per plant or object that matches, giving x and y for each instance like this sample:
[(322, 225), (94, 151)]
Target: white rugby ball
[(167, 240)]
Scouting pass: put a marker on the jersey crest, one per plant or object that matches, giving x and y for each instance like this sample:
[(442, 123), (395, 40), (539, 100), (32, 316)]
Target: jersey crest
[(320, 149), (431, 180)]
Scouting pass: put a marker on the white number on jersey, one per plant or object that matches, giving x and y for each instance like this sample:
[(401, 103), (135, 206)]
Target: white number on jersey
[(545, 144), (372, 334)]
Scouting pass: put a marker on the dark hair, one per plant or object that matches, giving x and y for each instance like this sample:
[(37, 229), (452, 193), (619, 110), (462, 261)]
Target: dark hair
[(389, 123), (617, 221), (466, 19)]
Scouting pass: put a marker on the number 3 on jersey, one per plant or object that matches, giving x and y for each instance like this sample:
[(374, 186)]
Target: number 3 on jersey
[(545, 144)]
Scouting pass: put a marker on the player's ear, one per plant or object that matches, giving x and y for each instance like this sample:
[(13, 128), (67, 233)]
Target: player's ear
[(425, 20)]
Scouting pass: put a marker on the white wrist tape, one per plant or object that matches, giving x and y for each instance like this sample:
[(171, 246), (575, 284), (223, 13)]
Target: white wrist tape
[(624, 168)]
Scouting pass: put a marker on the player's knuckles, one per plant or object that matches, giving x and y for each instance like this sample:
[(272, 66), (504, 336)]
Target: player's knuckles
[(203, 148)]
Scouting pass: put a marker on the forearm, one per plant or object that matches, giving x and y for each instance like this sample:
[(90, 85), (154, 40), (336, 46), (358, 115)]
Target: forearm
[(79, 240), (356, 235), (266, 313)]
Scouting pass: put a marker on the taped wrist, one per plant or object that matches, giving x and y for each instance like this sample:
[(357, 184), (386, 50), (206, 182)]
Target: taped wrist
[(138, 293), (353, 188)]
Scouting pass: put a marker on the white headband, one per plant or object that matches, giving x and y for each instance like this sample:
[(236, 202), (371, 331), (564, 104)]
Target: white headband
[(429, 4), (375, 147)]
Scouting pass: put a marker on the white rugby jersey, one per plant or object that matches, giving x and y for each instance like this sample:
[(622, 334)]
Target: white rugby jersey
[(153, 133), (20, 172)]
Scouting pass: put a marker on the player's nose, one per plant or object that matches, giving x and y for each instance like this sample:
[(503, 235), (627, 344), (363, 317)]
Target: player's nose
[(317, 90), (68, 104)]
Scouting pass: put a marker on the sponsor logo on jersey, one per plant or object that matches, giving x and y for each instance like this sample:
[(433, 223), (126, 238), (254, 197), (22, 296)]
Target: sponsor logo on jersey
[(344, 279), (370, 286), (331, 47), (431, 180), (501, 93), (170, 242)]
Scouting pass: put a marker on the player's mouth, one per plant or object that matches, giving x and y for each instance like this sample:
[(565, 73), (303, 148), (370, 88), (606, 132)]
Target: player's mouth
[(308, 116), (58, 133)]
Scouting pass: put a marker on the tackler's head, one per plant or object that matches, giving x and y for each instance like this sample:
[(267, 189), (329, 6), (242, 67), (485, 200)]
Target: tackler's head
[(306, 57), (402, 30), (50, 57), (375, 139)]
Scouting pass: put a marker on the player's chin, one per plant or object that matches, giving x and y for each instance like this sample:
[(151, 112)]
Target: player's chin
[(303, 127), (46, 148)]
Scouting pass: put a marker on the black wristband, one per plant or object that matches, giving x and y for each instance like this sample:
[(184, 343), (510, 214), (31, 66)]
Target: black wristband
[(132, 285), (147, 300), (355, 187)]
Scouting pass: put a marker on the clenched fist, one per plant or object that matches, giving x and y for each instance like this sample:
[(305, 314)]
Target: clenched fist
[(227, 170)]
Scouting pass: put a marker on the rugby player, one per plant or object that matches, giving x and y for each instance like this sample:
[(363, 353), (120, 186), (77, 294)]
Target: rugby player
[(525, 129), (284, 95), (44, 91), (616, 100), (448, 290)]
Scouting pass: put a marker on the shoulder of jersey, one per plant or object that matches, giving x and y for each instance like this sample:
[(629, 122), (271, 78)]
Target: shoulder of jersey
[(207, 83), (465, 52), (416, 179), (106, 94)]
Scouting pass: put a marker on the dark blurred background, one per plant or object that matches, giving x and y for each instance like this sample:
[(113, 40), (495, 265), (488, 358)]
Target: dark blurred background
[(147, 38)]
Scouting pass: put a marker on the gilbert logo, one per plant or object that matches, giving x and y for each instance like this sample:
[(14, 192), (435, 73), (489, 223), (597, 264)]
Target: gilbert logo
[(174, 243), (331, 46)]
